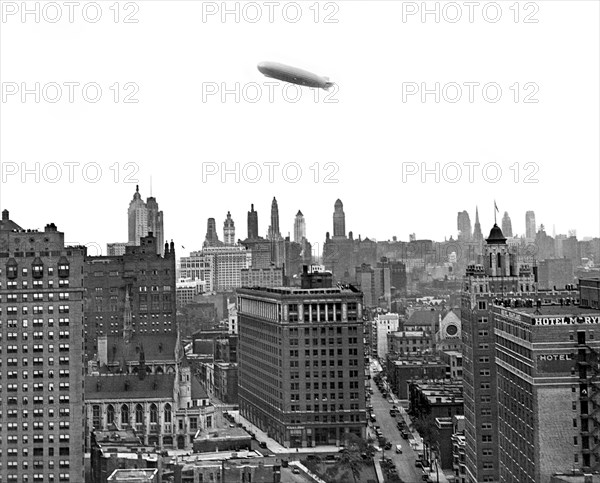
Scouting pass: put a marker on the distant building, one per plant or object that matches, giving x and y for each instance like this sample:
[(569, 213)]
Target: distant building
[(187, 290), (143, 219), (117, 249), (409, 342), (454, 360), (229, 230), (507, 225), (555, 272), (530, 226), (463, 223), (252, 224), (590, 292), (218, 266), (212, 238), (401, 370), (435, 399), (262, 277), (299, 227), (385, 324)]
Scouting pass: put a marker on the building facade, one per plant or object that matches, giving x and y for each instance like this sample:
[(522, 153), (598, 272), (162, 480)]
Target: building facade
[(301, 363), (140, 281), (143, 219), (41, 304)]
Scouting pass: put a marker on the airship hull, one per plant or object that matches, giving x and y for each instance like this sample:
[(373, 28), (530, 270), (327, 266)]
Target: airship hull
[(294, 75)]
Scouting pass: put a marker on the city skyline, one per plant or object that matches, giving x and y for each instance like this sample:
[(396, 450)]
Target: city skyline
[(315, 229)]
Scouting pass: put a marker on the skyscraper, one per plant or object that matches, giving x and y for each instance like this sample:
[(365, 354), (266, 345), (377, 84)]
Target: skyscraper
[(463, 223), (298, 407), (496, 277), (212, 238), (477, 234), (42, 312), (299, 227), (530, 230), (252, 224), (507, 225), (229, 230), (274, 233), (144, 218), (339, 220)]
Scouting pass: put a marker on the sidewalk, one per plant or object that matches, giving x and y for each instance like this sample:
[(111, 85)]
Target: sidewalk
[(273, 445)]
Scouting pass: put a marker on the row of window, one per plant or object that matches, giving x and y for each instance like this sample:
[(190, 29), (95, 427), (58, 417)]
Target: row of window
[(13, 284), (13, 361), (36, 348), (36, 374), (36, 309), (13, 323)]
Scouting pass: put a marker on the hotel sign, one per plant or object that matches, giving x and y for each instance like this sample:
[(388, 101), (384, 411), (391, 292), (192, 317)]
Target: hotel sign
[(588, 319), (554, 362)]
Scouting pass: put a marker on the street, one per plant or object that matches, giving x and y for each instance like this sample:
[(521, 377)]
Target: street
[(405, 462)]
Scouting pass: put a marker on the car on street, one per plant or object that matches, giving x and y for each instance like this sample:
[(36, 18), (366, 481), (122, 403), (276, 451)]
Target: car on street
[(296, 471), (399, 449), (404, 434), (262, 444), (388, 445)]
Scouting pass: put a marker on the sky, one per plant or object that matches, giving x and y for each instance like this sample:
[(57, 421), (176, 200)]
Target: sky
[(514, 117)]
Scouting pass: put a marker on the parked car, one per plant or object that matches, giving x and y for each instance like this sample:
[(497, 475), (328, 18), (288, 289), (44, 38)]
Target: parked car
[(404, 434), (388, 445), (296, 471), (399, 449), (262, 444)]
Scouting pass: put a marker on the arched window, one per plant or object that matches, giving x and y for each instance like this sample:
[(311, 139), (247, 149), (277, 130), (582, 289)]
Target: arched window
[(110, 414), (139, 414), (499, 261), (124, 414), (167, 413), (153, 413)]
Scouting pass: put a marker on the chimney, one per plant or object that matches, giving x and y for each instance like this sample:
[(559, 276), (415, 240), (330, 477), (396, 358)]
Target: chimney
[(5, 215)]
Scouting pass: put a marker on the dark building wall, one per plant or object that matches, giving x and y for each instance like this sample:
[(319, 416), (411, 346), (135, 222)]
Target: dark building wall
[(150, 280)]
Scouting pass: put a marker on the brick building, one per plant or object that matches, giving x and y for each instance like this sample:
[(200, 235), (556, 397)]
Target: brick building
[(301, 362), (41, 330), (140, 282)]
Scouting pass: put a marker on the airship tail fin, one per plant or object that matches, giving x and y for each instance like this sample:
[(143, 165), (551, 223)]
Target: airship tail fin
[(328, 84)]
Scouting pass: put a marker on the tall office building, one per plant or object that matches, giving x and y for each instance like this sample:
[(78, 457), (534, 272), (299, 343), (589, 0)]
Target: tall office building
[(477, 234), (339, 219), (144, 218), (507, 225), (274, 233), (212, 238), (548, 388), (252, 224), (41, 302), (229, 230), (147, 279), (497, 276), (299, 227), (463, 223), (530, 230), (301, 361)]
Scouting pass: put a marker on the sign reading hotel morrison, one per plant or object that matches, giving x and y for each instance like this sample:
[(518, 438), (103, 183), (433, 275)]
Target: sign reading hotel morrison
[(579, 319)]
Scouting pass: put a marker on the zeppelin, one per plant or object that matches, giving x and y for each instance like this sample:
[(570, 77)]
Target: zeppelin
[(294, 75)]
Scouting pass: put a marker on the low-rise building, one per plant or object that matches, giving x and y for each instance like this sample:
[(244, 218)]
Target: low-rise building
[(401, 370), (409, 342), (435, 399), (458, 449), (454, 360), (134, 476), (221, 439)]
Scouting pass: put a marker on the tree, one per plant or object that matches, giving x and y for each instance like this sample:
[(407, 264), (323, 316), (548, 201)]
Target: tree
[(350, 460)]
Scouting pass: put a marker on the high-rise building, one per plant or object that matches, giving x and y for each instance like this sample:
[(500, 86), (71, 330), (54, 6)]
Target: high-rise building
[(42, 329), (274, 233), (144, 218), (301, 361), (507, 225), (530, 229), (464, 226), (339, 220), (497, 276), (139, 279), (477, 234), (229, 230), (299, 227), (252, 224), (548, 387), (212, 238)]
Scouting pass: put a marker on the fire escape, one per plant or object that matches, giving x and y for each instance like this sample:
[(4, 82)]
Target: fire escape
[(588, 363)]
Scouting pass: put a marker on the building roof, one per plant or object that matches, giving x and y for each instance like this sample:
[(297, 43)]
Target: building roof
[(424, 317), (496, 237), (129, 386), (157, 347), (6, 224)]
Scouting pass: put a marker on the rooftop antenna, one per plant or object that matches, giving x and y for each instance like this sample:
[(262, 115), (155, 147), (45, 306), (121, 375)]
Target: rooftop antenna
[(150, 185), (495, 211)]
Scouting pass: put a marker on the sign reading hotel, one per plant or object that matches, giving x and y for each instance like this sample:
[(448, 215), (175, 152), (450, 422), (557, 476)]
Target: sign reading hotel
[(579, 319), (554, 362)]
